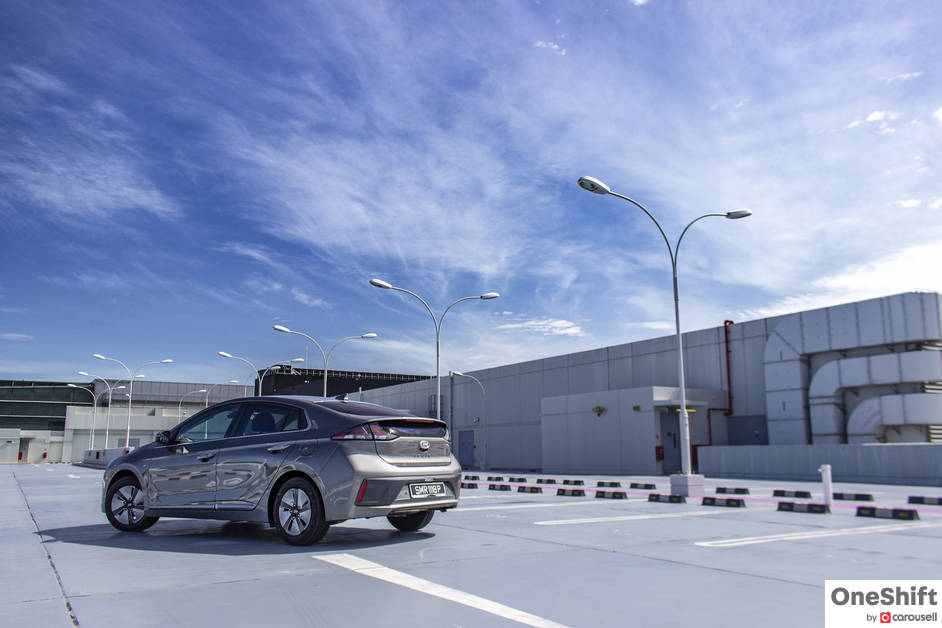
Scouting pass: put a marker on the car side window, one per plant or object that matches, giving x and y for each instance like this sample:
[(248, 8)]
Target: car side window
[(212, 425), (269, 419)]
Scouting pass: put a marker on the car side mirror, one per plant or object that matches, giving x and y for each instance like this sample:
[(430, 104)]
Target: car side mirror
[(163, 438)]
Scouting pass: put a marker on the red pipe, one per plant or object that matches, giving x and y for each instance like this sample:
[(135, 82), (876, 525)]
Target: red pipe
[(729, 380)]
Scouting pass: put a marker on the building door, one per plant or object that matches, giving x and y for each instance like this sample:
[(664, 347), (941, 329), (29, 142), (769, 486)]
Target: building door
[(23, 455), (670, 441), (466, 448)]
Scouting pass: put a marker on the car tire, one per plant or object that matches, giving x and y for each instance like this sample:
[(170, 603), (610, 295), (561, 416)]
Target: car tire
[(298, 513), (412, 521), (124, 506)]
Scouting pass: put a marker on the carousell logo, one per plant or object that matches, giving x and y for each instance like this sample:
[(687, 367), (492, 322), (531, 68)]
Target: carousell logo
[(858, 603)]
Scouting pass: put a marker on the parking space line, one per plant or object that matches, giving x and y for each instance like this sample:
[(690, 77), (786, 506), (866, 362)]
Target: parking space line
[(374, 570), (815, 534), (546, 505), (666, 515)]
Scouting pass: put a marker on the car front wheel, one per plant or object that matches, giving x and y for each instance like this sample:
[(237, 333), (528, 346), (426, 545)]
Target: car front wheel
[(124, 506), (299, 515), (412, 521)]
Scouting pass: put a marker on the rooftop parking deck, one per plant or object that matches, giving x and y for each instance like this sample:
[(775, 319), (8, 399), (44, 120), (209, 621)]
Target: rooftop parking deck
[(502, 558)]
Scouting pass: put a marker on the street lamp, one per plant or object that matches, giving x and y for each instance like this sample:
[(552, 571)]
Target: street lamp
[(276, 367), (385, 285), (91, 432), (110, 389), (683, 482), (210, 389), (483, 415), (180, 405), (131, 376), (326, 356), (254, 370)]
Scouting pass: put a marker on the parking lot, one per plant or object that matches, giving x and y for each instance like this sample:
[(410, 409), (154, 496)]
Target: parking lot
[(501, 558)]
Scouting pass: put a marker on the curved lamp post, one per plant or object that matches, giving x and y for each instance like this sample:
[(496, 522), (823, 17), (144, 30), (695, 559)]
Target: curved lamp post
[(276, 367), (483, 417), (326, 356), (110, 389), (91, 432), (254, 370), (180, 405), (385, 285), (594, 185), (210, 389), (131, 376)]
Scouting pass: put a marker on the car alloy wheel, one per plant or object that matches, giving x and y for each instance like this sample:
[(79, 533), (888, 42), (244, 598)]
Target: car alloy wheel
[(125, 506), (294, 511), (297, 512)]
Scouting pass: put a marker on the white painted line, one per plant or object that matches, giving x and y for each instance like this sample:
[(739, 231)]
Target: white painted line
[(374, 570), (76, 477), (548, 505), (670, 515), (816, 534)]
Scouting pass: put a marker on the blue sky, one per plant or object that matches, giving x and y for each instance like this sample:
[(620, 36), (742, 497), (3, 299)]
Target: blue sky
[(177, 177)]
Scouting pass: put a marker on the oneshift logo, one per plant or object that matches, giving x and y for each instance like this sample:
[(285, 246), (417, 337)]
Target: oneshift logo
[(887, 596), (849, 603)]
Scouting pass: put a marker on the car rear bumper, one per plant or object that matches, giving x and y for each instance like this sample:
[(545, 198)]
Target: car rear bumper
[(381, 495)]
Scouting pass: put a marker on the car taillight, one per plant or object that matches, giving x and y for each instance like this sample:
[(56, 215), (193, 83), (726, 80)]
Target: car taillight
[(370, 431), (358, 433), (381, 433), (362, 492)]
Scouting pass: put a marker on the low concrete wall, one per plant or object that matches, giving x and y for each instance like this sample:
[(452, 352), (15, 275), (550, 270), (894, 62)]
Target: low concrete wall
[(908, 463)]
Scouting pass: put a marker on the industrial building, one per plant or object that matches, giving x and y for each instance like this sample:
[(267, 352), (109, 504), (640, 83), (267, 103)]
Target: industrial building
[(855, 385)]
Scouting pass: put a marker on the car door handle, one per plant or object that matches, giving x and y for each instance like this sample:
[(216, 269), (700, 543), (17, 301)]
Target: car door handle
[(206, 457), (276, 449)]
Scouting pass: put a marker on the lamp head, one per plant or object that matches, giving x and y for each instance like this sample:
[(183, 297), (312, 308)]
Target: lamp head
[(594, 185), (224, 354), (296, 360), (119, 387), (458, 373), (99, 356), (141, 376), (83, 373), (201, 391), (739, 213), (167, 361), (281, 328), (379, 283), (369, 335), (487, 296), (71, 385)]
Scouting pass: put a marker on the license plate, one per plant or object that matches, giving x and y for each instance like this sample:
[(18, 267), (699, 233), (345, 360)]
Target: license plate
[(430, 489)]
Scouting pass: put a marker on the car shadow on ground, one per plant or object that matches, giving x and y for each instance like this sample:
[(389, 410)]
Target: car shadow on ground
[(232, 538)]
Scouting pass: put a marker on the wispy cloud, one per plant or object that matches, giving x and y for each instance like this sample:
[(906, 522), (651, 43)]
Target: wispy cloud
[(908, 203), (544, 327), (75, 158), (9, 336), (552, 47), (905, 76), (306, 299)]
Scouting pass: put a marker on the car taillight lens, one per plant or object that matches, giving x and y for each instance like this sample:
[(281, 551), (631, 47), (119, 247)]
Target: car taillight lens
[(358, 433), (381, 433), (370, 431)]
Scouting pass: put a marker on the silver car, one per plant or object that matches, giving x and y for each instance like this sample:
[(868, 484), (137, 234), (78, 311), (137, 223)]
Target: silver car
[(298, 463)]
